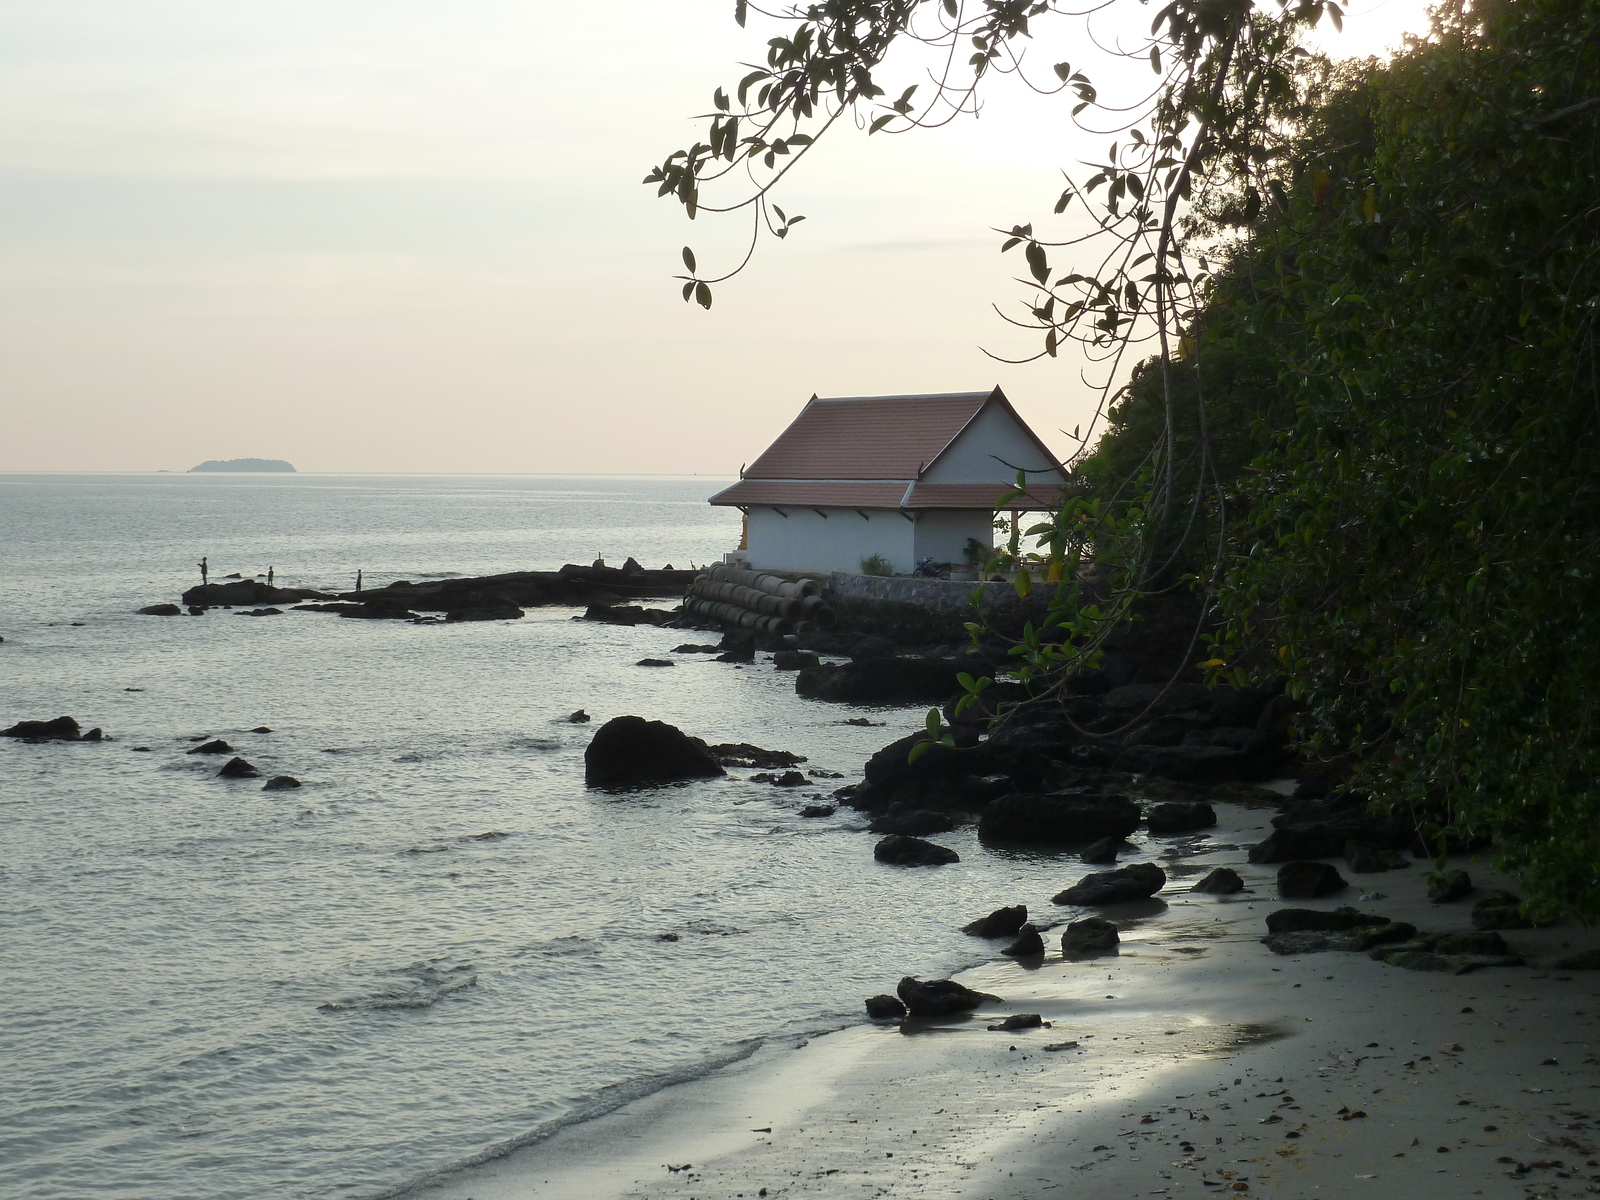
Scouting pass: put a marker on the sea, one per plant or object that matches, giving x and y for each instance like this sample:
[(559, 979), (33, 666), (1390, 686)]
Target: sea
[(444, 945)]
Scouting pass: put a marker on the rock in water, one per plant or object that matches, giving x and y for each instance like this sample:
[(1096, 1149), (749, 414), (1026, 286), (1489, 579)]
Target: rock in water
[(902, 818), (1054, 818), (579, 718), (1308, 880), (161, 610), (901, 851), (237, 768), (215, 746), (1092, 935), (793, 660), (1446, 886), (280, 783), (1002, 922), (1137, 882), (655, 662), (1224, 881), (62, 729), (633, 752), (885, 1008), (1303, 920), (1102, 853), (1018, 1021), (1178, 816), (743, 754), (818, 810), (787, 779), (1028, 944), (939, 997)]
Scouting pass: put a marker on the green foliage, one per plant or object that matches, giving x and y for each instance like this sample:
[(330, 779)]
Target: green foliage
[(876, 564)]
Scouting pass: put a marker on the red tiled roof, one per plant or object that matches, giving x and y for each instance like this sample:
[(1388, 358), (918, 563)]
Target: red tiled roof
[(867, 437)]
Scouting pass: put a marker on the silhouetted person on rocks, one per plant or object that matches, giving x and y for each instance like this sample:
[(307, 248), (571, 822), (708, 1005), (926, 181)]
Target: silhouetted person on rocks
[(269, 576), (205, 572)]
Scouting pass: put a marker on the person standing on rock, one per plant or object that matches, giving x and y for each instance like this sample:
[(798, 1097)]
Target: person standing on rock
[(205, 572), (269, 576)]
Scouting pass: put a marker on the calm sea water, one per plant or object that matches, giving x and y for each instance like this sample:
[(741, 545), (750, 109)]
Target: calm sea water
[(442, 945)]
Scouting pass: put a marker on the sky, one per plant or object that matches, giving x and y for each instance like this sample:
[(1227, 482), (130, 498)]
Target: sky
[(411, 236)]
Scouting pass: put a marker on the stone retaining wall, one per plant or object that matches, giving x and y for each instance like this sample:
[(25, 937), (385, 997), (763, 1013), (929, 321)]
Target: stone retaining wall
[(914, 609)]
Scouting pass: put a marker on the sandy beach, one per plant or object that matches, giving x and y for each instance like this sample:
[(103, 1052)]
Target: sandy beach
[(1204, 1064)]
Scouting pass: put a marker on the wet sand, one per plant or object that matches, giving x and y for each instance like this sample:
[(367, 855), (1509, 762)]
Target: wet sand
[(1204, 1065)]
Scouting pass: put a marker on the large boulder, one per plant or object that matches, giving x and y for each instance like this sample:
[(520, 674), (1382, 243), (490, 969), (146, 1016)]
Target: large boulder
[(1136, 882), (1002, 922), (1312, 920), (902, 818), (1092, 935), (881, 681), (1222, 881), (1322, 828), (1180, 816), (62, 729), (1448, 886), (939, 997), (161, 610), (1499, 910), (633, 752), (885, 1008), (1309, 880), (942, 777), (1029, 944), (901, 851), (1057, 817), (246, 592), (1187, 763)]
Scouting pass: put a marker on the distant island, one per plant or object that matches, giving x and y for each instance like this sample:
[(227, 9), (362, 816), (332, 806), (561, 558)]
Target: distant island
[(243, 464)]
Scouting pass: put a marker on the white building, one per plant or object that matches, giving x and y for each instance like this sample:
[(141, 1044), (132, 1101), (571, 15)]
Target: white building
[(905, 477)]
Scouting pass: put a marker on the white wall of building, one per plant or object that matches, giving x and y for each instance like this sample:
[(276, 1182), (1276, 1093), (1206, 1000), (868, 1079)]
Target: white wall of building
[(992, 436), (804, 540), (942, 534)]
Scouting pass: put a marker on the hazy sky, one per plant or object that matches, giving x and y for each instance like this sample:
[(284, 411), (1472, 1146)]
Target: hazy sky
[(409, 235)]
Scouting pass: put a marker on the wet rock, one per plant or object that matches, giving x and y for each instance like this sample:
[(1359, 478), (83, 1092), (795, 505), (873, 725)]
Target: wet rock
[(1323, 828), (1585, 960), (215, 746), (787, 779), (195, 610), (1054, 818), (939, 997), (246, 591), (794, 660), (62, 729), (1102, 853), (95, 735), (615, 614), (1445, 887), (1177, 816), (655, 662), (161, 610), (743, 754), (885, 1008), (1029, 944), (495, 612), (818, 810), (691, 648), (1368, 860), (863, 721), (1308, 880), (633, 752), (1002, 922), (580, 717), (881, 681), (237, 768), (1137, 882), (1018, 1021), (262, 729), (901, 851), (1449, 964), (738, 646), (1311, 941), (280, 783), (1479, 942), (902, 818), (1296, 920), (1092, 935), (1499, 910), (260, 612), (1187, 763), (1223, 881)]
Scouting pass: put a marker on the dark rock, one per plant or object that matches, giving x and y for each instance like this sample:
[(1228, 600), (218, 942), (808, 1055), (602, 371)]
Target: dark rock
[(1158, 698), (1481, 942), (1416, 958), (738, 646), (942, 777), (1308, 880), (691, 648), (494, 612), (1236, 706), (1584, 960), (237, 768), (902, 851), (262, 729), (787, 779), (881, 681), (818, 810), (872, 647), (1019, 1021), (794, 660), (261, 612), (902, 818), (655, 662), (615, 614), (1298, 920), (1102, 853), (1312, 941), (246, 592), (1027, 945), (1137, 882), (1053, 818), (1223, 881), (280, 783), (1002, 922), (1369, 860), (1499, 910), (1186, 763), (1323, 828), (743, 754), (885, 1008), (161, 610), (95, 735), (1177, 816), (215, 746), (1092, 935), (939, 997), (62, 729), (580, 717), (195, 610), (632, 752), (863, 721), (1447, 886)]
